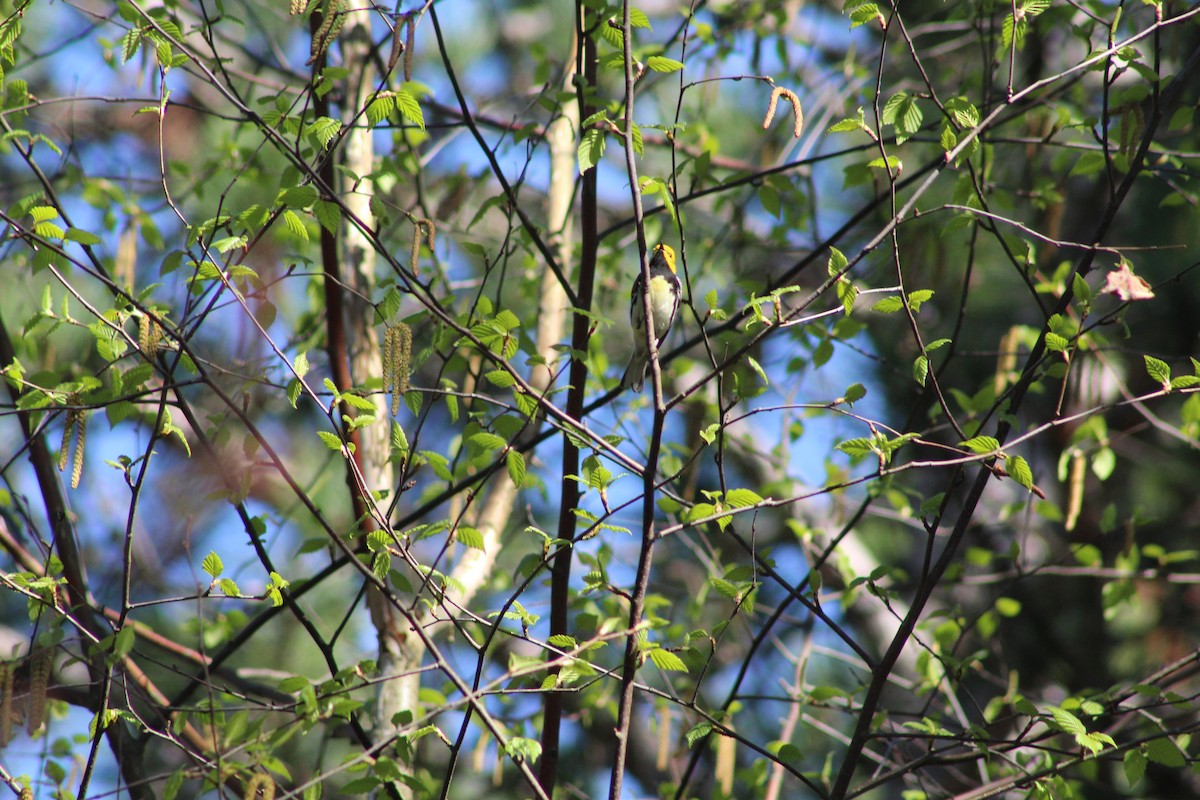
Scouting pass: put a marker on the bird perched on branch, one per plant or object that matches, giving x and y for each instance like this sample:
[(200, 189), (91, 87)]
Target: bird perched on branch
[(665, 291)]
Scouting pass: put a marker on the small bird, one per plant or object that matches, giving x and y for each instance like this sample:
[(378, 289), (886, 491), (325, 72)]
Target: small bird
[(664, 303)]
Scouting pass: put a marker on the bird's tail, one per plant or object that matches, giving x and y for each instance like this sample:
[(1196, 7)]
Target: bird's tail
[(635, 373)]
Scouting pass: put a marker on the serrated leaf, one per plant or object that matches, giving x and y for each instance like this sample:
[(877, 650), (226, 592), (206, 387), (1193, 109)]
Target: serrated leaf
[(410, 109), (856, 448), (846, 125), (500, 377), (354, 401), (469, 537), (591, 149), (921, 369), (1164, 751), (742, 498), (837, 262), (724, 588), (380, 108), (1135, 766), (487, 441), (697, 733), (212, 565), (295, 225), (1056, 343), (1159, 370), (331, 440), (667, 661), (663, 64), (1018, 468), (298, 196), (439, 463), (515, 462), (981, 445), (888, 305), (1067, 721)]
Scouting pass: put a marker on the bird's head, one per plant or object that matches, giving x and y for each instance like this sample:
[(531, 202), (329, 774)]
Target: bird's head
[(664, 254)]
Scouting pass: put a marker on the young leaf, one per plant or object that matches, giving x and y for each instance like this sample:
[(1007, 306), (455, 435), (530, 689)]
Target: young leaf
[(981, 445), (1018, 468), (667, 661), (1159, 371), (661, 64), (212, 565)]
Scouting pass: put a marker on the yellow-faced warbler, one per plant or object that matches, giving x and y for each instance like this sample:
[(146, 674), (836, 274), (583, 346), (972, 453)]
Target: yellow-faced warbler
[(664, 303)]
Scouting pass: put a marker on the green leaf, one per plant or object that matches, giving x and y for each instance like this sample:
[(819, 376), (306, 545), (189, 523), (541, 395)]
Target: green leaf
[(1018, 468), (1135, 766), (500, 377), (1067, 721), (380, 109), (667, 661), (1056, 343), (742, 498), (1159, 371), (591, 149), (662, 64), (854, 392), (439, 463), (850, 124), (521, 749), (1008, 607), (354, 401), (487, 441), (888, 305), (1164, 751), (212, 565), (857, 448), (82, 237), (891, 163), (469, 537), (323, 130), (298, 197), (916, 298), (515, 462), (331, 440), (837, 262), (174, 784), (410, 109), (862, 13), (295, 225), (921, 369), (124, 642), (981, 445)]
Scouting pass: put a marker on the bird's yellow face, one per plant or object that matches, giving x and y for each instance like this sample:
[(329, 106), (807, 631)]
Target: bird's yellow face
[(666, 254)]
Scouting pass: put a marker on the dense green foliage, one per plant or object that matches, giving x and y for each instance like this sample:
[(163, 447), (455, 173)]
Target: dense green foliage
[(318, 480)]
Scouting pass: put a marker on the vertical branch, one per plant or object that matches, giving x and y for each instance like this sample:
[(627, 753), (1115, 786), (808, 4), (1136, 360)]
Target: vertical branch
[(562, 136), (355, 355), (645, 557)]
